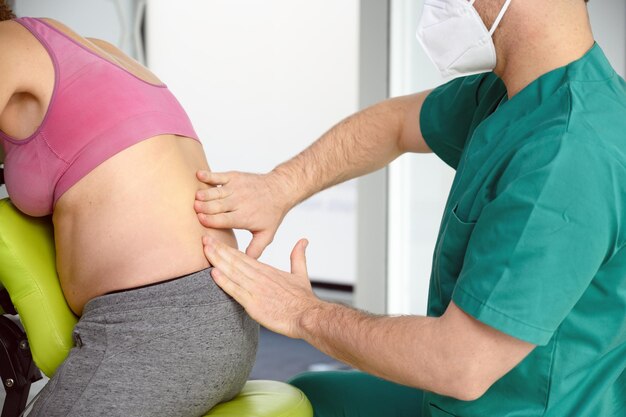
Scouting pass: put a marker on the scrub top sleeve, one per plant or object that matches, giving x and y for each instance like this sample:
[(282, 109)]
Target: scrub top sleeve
[(538, 244), (449, 114)]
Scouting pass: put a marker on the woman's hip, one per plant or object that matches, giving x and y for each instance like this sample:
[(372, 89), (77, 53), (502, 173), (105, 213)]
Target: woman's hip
[(192, 304), (177, 347)]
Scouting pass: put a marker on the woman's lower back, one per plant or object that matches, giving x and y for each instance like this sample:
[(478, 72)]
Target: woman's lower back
[(131, 221)]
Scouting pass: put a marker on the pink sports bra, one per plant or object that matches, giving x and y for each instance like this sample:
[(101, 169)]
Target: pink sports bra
[(97, 110)]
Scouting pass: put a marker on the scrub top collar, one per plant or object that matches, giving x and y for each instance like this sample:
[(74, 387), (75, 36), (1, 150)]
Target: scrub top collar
[(591, 67)]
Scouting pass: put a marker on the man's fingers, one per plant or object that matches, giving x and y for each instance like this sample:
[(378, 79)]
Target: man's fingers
[(217, 221), (240, 294), (213, 178), (298, 258), (212, 207), (217, 254), (235, 265), (214, 193), (258, 244)]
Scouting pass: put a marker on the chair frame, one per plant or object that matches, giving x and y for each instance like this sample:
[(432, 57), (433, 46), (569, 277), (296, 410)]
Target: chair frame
[(17, 368)]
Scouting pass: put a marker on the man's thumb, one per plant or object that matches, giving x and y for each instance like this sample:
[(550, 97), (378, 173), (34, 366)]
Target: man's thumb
[(298, 258)]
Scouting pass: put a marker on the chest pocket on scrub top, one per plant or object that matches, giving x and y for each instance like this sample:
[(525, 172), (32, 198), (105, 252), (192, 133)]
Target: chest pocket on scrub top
[(451, 252)]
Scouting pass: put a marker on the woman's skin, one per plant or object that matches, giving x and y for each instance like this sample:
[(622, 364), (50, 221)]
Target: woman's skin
[(105, 232)]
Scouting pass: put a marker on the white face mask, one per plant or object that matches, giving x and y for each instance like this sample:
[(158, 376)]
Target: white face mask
[(456, 39)]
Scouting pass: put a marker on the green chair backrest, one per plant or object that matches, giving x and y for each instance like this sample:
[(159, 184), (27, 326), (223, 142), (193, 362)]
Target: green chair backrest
[(28, 272)]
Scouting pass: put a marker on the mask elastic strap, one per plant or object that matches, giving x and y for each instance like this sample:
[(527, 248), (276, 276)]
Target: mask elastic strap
[(500, 16)]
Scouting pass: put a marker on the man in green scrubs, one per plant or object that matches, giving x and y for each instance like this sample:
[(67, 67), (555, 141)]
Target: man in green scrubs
[(527, 304)]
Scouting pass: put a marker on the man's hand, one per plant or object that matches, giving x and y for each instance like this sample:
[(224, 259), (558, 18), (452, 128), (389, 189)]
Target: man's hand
[(238, 200), (453, 355), (277, 300), (360, 144)]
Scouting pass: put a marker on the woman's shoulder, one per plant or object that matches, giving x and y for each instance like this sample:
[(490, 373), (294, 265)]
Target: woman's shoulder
[(15, 50), (20, 60), (15, 40)]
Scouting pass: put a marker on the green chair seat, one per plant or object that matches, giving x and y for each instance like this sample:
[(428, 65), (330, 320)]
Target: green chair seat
[(28, 272), (265, 399)]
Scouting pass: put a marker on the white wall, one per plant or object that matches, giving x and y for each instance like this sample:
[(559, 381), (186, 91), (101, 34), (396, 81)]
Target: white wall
[(418, 184), (608, 20), (261, 80), (372, 232)]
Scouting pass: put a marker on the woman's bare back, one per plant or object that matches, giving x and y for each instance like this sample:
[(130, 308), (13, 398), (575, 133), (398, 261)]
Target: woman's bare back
[(130, 221)]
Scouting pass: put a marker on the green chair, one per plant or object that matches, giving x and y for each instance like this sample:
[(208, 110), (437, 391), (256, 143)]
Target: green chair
[(31, 288)]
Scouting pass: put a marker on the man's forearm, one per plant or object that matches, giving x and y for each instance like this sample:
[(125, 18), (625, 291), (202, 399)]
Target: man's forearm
[(453, 355), (400, 349), (360, 144)]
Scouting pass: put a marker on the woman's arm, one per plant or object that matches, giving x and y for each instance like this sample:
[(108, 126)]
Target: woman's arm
[(6, 90), (14, 64), (16, 69), (7, 73), (6, 87)]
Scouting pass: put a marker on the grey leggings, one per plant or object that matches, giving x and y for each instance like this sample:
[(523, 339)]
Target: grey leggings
[(171, 349)]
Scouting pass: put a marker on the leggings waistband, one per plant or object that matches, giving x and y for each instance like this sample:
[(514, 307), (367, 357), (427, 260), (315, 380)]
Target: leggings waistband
[(197, 288), (154, 284)]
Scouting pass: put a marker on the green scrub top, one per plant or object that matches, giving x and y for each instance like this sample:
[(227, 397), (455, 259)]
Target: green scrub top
[(533, 238)]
